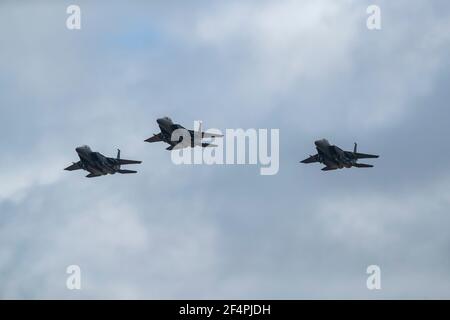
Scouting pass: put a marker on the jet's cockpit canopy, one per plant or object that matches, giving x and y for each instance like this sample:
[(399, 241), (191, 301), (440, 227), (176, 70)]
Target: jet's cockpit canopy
[(84, 148)]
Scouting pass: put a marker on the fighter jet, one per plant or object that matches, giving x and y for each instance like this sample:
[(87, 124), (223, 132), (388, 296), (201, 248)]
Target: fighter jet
[(167, 128), (335, 158), (99, 165)]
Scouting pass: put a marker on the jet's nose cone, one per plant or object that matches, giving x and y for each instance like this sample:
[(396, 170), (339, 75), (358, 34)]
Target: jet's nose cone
[(164, 120), (321, 142), (82, 149)]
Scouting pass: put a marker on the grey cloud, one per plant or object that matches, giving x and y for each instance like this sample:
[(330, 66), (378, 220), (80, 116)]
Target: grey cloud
[(224, 231)]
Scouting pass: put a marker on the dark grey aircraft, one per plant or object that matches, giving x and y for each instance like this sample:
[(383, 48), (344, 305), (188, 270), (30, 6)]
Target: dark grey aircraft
[(335, 158), (99, 165), (167, 128)]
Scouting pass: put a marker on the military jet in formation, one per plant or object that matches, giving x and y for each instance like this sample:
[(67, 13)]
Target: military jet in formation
[(99, 165), (335, 158), (168, 128)]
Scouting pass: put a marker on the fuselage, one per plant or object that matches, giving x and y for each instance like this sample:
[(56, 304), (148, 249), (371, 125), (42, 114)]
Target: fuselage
[(331, 155), (167, 128), (95, 162)]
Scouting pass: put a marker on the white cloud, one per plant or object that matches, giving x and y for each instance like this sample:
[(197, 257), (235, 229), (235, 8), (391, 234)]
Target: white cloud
[(19, 177), (384, 221), (283, 42), (308, 49)]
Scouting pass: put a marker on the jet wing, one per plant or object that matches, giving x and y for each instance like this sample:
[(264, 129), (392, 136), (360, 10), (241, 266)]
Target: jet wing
[(206, 134), (75, 166), (155, 138), (357, 155), (311, 159)]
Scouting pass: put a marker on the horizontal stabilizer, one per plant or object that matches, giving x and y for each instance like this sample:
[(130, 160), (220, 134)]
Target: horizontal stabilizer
[(206, 134), (126, 171), (204, 145), (211, 135), (358, 155), (362, 165), (123, 161)]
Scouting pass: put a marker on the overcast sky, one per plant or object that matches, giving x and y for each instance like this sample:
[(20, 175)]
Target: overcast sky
[(309, 68)]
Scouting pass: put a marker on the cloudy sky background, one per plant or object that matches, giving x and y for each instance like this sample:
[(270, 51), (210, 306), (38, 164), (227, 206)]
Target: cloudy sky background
[(310, 68)]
